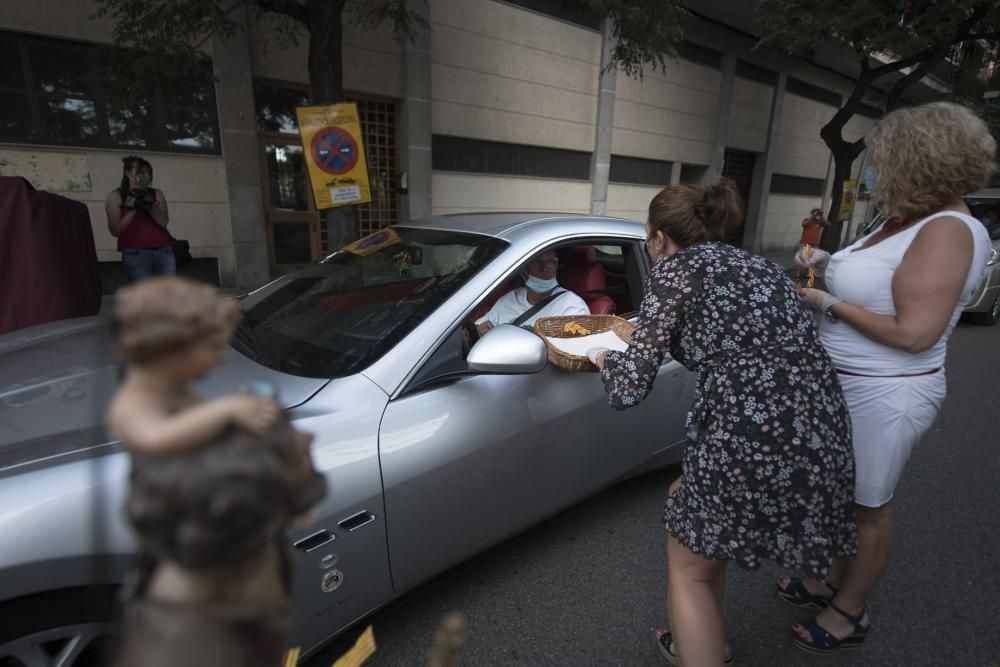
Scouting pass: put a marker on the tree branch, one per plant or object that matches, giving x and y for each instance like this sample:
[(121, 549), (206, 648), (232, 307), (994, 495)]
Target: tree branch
[(211, 33), (290, 8)]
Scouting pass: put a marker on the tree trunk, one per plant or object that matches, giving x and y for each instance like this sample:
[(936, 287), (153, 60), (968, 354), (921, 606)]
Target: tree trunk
[(326, 77), (843, 160)]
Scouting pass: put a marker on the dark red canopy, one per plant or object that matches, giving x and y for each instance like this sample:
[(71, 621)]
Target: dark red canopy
[(48, 262)]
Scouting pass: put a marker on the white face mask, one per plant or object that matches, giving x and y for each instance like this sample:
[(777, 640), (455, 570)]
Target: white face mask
[(540, 285), (869, 178)]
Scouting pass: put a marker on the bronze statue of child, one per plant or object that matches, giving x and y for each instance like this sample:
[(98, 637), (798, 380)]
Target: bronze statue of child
[(213, 487)]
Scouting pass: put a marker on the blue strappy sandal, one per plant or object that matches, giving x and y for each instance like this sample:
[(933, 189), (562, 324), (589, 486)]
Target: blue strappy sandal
[(797, 595), (824, 643)]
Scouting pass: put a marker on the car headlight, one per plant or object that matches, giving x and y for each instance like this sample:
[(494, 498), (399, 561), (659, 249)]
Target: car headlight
[(994, 257)]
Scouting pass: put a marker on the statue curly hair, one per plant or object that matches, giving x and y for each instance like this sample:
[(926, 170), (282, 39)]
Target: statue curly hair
[(161, 315)]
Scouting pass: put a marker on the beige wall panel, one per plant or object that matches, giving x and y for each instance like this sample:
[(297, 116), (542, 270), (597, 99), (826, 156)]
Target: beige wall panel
[(783, 219), (55, 18), (518, 26), (195, 188), (630, 201), (48, 170), (683, 73), (656, 120), (460, 48), (452, 84), (454, 193), (744, 138), (668, 95), (373, 60), (800, 150), (659, 147), (462, 120)]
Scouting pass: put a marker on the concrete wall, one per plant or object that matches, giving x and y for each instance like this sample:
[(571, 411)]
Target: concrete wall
[(630, 201), (506, 74), (195, 189), (194, 185), (373, 59), (669, 115), (751, 112), (464, 193)]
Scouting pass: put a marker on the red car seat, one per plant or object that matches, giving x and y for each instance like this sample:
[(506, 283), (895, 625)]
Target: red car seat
[(583, 274)]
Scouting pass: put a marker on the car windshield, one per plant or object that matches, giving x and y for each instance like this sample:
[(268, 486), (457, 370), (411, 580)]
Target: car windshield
[(338, 316)]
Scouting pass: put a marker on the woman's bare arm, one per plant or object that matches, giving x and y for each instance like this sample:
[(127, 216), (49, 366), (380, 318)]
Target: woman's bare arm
[(145, 427), (117, 223)]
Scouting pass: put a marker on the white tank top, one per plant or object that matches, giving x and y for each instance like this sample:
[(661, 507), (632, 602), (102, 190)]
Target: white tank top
[(864, 278)]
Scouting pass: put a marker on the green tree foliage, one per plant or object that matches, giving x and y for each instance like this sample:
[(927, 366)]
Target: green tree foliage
[(895, 43)]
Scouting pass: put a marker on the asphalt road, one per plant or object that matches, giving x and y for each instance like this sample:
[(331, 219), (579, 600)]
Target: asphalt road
[(587, 587)]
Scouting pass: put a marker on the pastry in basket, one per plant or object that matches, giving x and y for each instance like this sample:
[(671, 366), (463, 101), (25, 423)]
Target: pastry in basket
[(576, 329)]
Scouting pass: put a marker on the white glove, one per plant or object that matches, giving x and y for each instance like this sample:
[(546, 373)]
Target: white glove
[(595, 352), (818, 260)]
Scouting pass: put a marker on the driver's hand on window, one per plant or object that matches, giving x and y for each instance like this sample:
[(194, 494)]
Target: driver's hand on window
[(484, 327)]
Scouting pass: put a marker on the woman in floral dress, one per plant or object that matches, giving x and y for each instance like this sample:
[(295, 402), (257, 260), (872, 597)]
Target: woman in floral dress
[(768, 471)]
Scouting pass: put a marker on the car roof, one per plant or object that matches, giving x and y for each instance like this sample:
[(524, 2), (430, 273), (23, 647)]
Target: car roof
[(502, 225), (988, 193)]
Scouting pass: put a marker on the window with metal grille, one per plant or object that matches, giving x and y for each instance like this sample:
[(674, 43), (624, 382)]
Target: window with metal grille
[(378, 129), (738, 165)]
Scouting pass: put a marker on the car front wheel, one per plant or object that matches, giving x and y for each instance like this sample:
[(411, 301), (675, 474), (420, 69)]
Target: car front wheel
[(59, 629)]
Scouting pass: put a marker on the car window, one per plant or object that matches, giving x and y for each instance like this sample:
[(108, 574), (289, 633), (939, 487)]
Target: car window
[(338, 316)]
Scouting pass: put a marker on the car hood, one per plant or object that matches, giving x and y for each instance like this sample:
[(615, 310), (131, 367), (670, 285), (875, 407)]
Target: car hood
[(57, 379)]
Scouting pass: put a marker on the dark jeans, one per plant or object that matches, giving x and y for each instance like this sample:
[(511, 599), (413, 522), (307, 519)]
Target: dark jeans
[(142, 263)]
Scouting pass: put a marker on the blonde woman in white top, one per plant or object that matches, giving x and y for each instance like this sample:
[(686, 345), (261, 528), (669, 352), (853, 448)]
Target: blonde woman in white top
[(894, 298)]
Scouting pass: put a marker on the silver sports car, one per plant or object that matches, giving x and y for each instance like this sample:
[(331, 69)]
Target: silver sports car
[(436, 443)]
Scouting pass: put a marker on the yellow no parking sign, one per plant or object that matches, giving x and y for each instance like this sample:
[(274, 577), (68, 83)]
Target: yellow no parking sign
[(331, 137)]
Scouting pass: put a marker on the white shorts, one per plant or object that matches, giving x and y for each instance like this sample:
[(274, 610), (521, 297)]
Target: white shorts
[(888, 417)]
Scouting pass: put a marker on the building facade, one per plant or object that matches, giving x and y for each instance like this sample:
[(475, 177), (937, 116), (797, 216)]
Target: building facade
[(500, 106)]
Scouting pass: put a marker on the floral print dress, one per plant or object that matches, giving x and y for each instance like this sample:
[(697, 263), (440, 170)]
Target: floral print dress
[(769, 467)]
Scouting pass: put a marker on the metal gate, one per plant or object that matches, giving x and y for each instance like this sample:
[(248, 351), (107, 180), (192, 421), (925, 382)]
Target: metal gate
[(378, 133), (738, 165)]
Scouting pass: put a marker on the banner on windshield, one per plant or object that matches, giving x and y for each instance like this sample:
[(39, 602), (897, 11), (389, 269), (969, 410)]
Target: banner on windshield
[(335, 156)]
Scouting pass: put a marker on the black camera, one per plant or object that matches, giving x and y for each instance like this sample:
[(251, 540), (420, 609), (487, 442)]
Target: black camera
[(142, 200)]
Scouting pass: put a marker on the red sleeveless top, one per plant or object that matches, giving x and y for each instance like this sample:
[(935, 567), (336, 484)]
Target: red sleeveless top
[(143, 232)]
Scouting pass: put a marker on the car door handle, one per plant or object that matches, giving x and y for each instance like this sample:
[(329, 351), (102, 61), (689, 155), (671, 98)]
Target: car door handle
[(355, 521), (314, 541)]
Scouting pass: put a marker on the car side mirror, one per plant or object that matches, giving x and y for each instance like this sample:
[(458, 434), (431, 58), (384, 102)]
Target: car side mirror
[(510, 350)]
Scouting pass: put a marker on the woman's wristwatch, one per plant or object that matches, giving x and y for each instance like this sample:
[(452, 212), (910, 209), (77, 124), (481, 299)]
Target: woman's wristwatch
[(826, 307)]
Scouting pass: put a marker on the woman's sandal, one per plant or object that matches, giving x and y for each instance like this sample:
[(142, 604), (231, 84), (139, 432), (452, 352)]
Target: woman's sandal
[(665, 640), (797, 595), (823, 642)]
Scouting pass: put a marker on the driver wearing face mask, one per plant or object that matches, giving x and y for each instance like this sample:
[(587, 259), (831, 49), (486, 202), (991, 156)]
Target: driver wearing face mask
[(540, 297)]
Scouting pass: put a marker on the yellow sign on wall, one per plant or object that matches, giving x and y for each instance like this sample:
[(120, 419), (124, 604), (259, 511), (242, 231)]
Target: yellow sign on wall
[(847, 199), (331, 137)]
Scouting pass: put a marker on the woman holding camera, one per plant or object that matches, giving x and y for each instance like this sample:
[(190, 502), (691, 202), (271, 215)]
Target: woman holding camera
[(137, 217)]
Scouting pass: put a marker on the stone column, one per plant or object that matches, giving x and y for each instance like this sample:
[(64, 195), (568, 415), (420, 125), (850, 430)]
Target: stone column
[(675, 172), (417, 128), (600, 159), (238, 127), (728, 72), (753, 233)]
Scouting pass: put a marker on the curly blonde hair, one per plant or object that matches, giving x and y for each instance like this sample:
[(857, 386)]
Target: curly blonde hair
[(926, 156), (162, 315)]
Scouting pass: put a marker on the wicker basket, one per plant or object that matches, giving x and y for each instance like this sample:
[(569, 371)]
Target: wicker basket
[(552, 327)]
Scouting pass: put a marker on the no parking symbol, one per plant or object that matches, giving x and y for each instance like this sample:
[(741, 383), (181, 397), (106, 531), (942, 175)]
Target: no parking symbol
[(335, 155)]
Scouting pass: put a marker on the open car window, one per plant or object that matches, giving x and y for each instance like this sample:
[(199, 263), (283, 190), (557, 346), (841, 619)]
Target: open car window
[(338, 316)]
